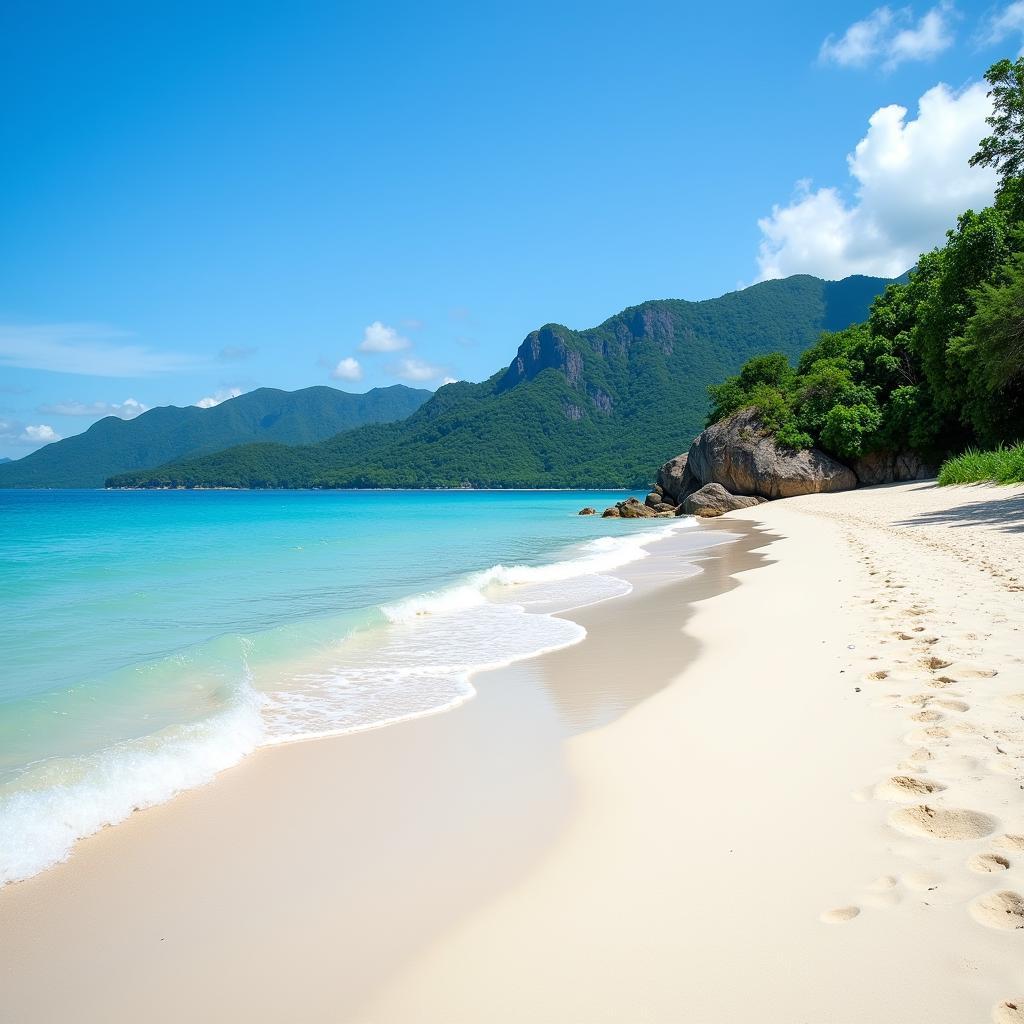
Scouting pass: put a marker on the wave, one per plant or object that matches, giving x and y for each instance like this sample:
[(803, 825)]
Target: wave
[(404, 660), (598, 557), (46, 808)]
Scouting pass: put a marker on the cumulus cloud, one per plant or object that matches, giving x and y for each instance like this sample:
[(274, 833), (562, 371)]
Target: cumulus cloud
[(92, 350), (1002, 23), (379, 337), (41, 434), (30, 436), (912, 179), (217, 397), (347, 369), (450, 380), (126, 410), (416, 370), (891, 38)]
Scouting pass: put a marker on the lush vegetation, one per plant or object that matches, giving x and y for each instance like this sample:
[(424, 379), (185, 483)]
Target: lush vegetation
[(292, 417), (594, 408), (938, 367), (1001, 466)]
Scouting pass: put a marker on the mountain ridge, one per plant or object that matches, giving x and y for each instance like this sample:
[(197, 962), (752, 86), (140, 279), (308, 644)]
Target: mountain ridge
[(596, 407), (168, 433)]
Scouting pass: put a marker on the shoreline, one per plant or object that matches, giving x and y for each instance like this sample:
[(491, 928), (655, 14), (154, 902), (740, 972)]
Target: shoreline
[(607, 830)]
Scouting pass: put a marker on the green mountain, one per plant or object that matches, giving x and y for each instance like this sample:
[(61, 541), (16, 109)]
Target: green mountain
[(594, 408), (113, 445)]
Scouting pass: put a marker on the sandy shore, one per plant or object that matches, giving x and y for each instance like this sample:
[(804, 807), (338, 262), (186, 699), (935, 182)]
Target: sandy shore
[(796, 799)]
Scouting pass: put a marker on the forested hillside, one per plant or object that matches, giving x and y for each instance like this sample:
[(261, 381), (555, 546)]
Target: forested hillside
[(597, 407), (938, 366), (113, 445)]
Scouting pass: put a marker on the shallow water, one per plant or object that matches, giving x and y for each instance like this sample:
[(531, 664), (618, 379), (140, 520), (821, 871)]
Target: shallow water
[(153, 638)]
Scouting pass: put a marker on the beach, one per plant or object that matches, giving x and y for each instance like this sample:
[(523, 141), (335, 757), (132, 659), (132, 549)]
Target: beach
[(787, 788)]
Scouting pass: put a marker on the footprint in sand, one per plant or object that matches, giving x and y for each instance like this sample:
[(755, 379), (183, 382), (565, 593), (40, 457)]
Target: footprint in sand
[(1009, 1011), (933, 664), (973, 671), (932, 732), (839, 915), (927, 716), (1002, 909), (906, 788), (922, 754), (988, 863), (1009, 842), (1013, 700), (954, 823), (953, 705), (941, 682)]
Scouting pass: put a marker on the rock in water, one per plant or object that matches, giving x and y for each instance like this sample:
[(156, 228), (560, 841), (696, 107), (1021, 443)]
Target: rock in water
[(890, 467), (740, 453), (611, 513), (633, 509), (588, 511), (654, 499), (713, 500)]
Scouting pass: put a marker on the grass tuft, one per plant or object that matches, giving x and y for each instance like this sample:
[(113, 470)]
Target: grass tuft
[(1001, 466)]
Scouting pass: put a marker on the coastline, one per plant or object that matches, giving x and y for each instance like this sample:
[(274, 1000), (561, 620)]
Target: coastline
[(605, 831)]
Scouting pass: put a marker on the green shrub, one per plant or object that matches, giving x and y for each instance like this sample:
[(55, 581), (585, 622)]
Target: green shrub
[(1004, 465)]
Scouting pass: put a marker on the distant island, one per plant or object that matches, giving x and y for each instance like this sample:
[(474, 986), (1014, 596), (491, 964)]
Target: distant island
[(592, 408)]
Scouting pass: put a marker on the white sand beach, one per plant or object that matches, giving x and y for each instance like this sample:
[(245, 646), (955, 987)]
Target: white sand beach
[(789, 789)]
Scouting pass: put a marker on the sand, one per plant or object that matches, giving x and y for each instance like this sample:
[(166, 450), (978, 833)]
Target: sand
[(723, 806)]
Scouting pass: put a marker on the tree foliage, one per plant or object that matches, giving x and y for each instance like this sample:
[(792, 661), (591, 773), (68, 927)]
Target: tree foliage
[(939, 365)]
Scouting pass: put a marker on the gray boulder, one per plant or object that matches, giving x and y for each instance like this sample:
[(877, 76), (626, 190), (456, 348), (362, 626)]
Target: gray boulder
[(676, 481), (654, 499), (740, 454), (714, 500), (633, 509), (890, 467)]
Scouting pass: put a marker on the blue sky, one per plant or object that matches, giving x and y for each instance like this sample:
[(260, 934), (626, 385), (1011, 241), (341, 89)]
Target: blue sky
[(199, 199)]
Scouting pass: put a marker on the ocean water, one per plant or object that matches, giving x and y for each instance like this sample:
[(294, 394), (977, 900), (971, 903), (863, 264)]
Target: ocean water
[(151, 639)]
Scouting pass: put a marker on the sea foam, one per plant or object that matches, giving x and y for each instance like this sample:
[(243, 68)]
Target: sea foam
[(418, 660)]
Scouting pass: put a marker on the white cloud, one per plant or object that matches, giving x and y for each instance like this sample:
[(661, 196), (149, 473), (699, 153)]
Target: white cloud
[(450, 380), (378, 337), (91, 350), (41, 434), (126, 410), (217, 397), (347, 369), (1003, 23), (912, 180), (416, 370), (891, 38)]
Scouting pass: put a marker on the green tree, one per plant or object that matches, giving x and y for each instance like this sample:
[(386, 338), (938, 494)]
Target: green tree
[(1004, 148), (996, 331)]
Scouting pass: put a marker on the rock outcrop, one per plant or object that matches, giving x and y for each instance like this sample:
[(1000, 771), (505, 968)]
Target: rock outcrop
[(676, 481), (632, 509), (714, 500), (588, 511), (890, 467), (740, 453)]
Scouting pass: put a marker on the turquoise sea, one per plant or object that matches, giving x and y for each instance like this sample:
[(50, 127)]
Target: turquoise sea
[(153, 638)]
